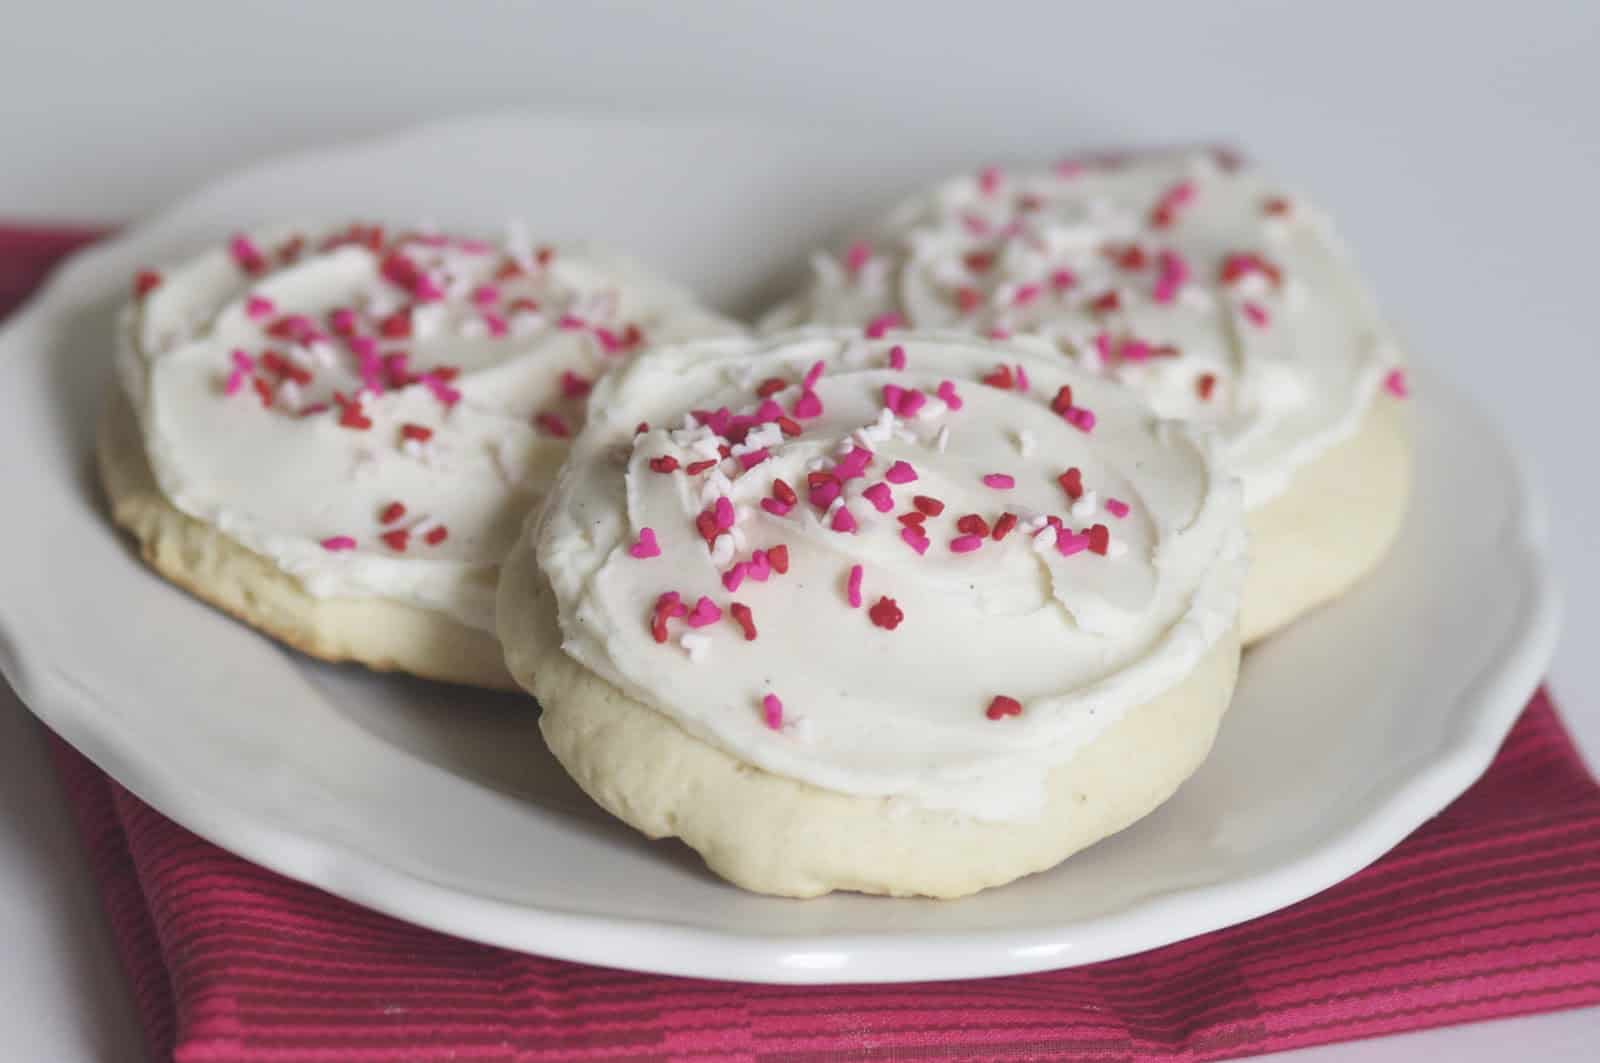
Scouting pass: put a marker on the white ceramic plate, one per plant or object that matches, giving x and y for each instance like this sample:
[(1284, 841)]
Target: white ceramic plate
[(442, 807)]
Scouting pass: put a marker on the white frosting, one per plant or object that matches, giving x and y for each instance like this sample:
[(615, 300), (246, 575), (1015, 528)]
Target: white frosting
[(1295, 352), (1077, 639), (523, 330)]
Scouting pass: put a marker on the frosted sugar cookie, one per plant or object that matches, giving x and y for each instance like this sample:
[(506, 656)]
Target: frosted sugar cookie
[(909, 616), (1203, 286), (335, 436)]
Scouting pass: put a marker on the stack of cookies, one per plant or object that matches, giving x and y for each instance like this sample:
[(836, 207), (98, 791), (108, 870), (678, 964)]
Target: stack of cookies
[(937, 577)]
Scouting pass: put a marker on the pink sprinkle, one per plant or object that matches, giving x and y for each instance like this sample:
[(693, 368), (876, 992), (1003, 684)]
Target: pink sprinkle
[(247, 257), (772, 711), (242, 361), (646, 546), (900, 473), (609, 343), (852, 587), (722, 510), (880, 496), (947, 394), (883, 323), (236, 381), (343, 320), (750, 459), (775, 507), (911, 402), (769, 410), (1395, 383), (1117, 507), (426, 289), (989, 180), (897, 357), (999, 481), (335, 543), (1102, 346), (571, 323), (998, 333), (1257, 314), (494, 323), (1026, 294), (574, 386), (486, 295), (1069, 543), (1135, 350), (975, 224), (853, 464), (257, 307), (843, 521), (893, 395), (735, 576), (915, 539), (760, 568), (1068, 168), (858, 255), (441, 391), (705, 612), (965, 544), (814, 374), (823, 494), (808, 405), (1062, 279), (1022, 381), (1080, 418)]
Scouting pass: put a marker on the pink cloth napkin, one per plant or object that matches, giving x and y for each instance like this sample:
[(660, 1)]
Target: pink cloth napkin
[(1490, 909)]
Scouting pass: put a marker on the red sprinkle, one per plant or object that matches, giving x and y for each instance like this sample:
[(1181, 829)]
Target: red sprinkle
[(397, 325), (784, 493), (789, 426), (1063, 400), (912, 520), (1205, 384), (664, 463), (972, 524), (778, 558), (1071, 482), (421, 433), (1002, 707), (553, 425), (886, 614), (745, 619), (1099, 539), (392, 512), (1106, 302), (968, 299), (771, 386), (396, 540), (930, 506), (1004, 525), (145, 282), (695, 468), (999, 377), (436, 536), (264, 390)]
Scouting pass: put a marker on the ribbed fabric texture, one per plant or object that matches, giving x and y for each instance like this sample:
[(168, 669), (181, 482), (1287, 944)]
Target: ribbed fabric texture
[(1490, 909)]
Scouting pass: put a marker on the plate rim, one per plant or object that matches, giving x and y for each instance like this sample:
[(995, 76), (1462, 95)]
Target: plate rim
[(1489, 704)]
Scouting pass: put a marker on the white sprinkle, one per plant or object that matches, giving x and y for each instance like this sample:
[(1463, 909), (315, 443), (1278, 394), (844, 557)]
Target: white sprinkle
[(1025, 443), (526, 322), (723, 550), (427, 319), (854, 353), (289, 396), (696, 646), (1086, 507), (800, 726), (942, 440), (1116, 548), (473, 328)]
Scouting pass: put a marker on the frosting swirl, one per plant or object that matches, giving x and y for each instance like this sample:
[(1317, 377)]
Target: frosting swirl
[(376, 413), (876, 566), (1220, 299)]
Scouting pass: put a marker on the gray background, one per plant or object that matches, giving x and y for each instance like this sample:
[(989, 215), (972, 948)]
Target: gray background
[(1459, 144)]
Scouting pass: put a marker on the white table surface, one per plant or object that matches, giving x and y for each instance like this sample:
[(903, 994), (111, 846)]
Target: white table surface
[(1460, 148)]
